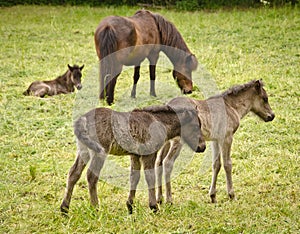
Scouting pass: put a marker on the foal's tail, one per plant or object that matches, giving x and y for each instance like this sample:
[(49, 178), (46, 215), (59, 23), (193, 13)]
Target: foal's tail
[(106, 41), (82, 133)]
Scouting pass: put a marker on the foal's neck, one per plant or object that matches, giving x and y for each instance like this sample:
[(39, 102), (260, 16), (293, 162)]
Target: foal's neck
[(171, 123), (241, 103)]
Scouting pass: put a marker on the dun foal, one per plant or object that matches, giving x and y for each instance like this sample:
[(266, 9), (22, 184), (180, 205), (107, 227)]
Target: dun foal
[(140, 133), (62, 84), (220, 118)]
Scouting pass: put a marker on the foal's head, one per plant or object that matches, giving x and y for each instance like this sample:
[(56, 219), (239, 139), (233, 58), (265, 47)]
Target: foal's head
[(183, 73), (261, 105), (76, 75)]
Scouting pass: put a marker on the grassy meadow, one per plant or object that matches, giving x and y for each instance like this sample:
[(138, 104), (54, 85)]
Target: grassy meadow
[(37, 145)]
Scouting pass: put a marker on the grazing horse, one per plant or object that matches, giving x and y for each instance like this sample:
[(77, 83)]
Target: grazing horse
[(135, 38), (140, 133), (62, 84), (220, 117)]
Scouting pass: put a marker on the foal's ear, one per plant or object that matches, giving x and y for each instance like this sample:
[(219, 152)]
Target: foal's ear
[(191, 62), (70, 68), (258, 85), (81, 67)]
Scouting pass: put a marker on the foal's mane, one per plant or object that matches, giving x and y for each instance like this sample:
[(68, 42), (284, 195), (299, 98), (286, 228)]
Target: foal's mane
[(237, 89), (169, 34), (156, 109)]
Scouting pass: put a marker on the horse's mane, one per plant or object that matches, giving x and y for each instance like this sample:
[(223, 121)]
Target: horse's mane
[(169, 34), (235, 90)]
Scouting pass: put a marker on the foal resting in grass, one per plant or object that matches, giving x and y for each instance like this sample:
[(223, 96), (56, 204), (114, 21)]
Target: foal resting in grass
[(220, 118), (140, 133), (62, 84)]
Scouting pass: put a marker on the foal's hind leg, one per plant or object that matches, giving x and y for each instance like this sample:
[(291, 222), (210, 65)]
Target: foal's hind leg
[(136, 78), (216, 166), (135, 170), (93, 176), (73, 176)]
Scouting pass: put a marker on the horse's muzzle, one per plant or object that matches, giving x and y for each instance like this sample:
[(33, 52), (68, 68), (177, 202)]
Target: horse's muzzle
[(270, 117), (187, 91)]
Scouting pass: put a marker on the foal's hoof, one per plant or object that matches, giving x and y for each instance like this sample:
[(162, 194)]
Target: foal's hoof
[(213, 198), (129, 207), (64, 210)]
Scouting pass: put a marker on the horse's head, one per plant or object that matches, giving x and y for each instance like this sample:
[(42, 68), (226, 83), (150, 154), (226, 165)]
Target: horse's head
[(183, 73), (76, 75), (261, 105)]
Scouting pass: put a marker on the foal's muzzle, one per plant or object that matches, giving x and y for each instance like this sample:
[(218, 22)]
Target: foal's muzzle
[(79, 86), (201, 148)]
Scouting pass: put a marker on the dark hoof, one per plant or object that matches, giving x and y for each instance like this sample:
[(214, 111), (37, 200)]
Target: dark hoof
[(154, 208), (213, 198), (129, 207), (153, 94), (64, 210)]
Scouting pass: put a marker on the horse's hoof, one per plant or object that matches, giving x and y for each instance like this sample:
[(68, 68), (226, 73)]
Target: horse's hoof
[(154, 208)]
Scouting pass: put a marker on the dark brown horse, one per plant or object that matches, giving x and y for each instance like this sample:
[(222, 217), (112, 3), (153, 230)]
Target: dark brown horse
[(135, 38), (62, 84)]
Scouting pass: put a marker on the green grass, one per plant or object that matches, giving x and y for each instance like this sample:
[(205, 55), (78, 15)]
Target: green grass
[(37, 145)]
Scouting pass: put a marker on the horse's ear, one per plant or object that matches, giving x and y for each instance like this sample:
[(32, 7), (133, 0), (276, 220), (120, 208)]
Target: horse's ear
[(192, 62), (70, 67), (81, 67), (258, 85)]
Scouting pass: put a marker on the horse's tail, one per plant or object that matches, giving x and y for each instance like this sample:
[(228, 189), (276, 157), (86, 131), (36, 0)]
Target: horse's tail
[(107, 44), (82, 133)]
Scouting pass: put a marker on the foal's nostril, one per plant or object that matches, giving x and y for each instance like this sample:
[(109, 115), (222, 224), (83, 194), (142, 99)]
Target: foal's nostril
[(201, 149), (271, 117), (79, 86)]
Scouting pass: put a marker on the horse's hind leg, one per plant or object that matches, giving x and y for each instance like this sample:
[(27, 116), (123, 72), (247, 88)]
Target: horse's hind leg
[(111, 83), (149, 170), (73, 176), (216, 166), (93, 176), (135, 170), (136, 78), (152, 69)]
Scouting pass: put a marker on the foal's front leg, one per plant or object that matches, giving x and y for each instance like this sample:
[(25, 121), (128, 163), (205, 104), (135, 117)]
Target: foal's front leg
[(216, 166), (93, 176), (228, 166), (149, 170), (135, 170)]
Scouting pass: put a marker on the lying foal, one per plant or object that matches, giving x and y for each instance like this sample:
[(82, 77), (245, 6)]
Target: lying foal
[(220, 117), (61, 85), (140, 133)]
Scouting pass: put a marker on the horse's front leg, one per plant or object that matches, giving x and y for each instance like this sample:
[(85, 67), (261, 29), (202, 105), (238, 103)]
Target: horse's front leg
[(149, 170), (216, 166), (73, 176), (228, 166), (152, 69), (93, 176), (136, 78), (135, 169)]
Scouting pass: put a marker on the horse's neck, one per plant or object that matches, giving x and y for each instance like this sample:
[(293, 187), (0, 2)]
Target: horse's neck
[(240, 103), (176, 54)]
